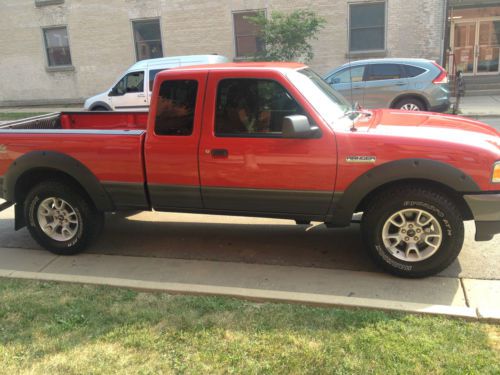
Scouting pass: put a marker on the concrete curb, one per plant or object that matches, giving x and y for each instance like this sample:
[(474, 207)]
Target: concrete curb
[(468, 313)]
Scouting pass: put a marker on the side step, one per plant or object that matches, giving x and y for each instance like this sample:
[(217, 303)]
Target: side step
[(5, 205)]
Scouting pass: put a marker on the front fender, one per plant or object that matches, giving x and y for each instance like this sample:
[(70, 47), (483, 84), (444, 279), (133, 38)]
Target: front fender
[(345, 203)]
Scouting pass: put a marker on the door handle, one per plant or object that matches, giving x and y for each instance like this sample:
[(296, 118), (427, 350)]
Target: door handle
[(219, 153), (400, 83)]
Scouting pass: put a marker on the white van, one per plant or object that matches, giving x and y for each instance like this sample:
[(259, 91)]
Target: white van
[(132, 92)]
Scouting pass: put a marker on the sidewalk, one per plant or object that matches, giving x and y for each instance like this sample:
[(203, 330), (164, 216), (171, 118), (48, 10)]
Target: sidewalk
[(464, 298), (476, 106)]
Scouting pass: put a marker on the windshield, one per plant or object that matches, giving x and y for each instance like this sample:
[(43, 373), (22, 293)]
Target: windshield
[(326, 101)]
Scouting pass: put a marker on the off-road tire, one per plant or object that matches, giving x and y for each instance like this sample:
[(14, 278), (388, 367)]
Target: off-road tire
[(90, 220), (434, 202)]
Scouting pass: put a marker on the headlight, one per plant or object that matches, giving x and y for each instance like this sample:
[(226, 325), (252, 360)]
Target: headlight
[(495, 178)]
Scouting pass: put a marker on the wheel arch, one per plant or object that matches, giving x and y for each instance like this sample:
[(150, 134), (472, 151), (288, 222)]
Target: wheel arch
[(420, 97), (434, 174), (37, 166), (100, 104)]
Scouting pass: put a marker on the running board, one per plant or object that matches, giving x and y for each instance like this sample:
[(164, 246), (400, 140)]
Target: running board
[(5, 205)]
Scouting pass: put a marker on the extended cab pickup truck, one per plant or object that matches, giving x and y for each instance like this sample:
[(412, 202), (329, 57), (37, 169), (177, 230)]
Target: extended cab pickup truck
[(269, 140)]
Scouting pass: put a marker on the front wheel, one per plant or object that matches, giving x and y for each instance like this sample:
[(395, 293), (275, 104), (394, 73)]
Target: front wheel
[(60, 219), (413, 232)]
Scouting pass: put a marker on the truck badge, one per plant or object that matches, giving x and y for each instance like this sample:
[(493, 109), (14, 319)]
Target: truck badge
[(361, 159), (3, 149)]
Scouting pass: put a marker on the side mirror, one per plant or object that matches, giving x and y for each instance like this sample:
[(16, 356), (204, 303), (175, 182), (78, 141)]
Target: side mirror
[(334, 81), (298, 126)]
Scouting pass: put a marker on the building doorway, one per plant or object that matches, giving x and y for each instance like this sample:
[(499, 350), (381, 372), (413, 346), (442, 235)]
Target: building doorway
[(475, 41), (476, 46)]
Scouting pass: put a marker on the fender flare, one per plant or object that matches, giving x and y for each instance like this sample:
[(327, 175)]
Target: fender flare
[(100, 104), (344, 203), (61, 163)]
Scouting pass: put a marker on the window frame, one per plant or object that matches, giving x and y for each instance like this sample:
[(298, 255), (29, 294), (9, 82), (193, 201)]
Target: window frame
[(48, 66), (145, 20), (258, 135), (235, 36), (360, 3)]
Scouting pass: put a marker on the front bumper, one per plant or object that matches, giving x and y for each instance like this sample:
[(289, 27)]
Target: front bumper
[(486, 211), (440, 108)]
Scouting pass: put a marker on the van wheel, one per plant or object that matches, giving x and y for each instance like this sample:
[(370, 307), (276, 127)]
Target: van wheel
[(99, 108), (412, 231), (411, 104), (60, 219)]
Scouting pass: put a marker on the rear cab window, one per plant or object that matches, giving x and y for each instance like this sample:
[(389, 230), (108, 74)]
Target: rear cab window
[(176, 107), (248, 107)]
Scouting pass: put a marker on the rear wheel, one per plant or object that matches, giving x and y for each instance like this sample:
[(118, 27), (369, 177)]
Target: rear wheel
[(60, 219), (99, 108), (411, 104), (412, 231)]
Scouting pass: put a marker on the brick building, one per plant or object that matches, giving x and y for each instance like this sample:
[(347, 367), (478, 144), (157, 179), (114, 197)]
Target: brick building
[(66, 50)]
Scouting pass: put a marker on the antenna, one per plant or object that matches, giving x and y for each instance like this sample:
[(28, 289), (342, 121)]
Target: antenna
[(350, 66)]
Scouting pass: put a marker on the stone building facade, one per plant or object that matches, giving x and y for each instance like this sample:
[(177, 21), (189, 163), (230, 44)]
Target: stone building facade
[(101, 41)]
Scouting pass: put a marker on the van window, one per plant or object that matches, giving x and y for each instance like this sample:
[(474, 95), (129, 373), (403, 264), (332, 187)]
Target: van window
[(132, 82), (152, 75), (176, 107)]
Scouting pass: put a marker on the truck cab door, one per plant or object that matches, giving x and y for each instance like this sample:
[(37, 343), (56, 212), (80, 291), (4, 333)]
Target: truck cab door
[(247, 166), (129, 93), (171, 146)]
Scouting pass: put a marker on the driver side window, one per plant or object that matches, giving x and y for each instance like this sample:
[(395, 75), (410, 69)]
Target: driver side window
[(132, 82), (344, 76)]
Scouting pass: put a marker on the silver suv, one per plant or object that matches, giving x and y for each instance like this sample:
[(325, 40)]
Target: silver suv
[(409, 84)]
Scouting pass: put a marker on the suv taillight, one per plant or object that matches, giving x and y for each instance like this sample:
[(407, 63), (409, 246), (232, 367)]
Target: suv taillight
[(442, 77)]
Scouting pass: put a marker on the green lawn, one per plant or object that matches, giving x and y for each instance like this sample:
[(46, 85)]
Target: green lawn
[(52, 328), (8, 116)]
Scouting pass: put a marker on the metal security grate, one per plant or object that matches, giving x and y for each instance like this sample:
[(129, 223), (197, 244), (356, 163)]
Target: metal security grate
[(49, 121)]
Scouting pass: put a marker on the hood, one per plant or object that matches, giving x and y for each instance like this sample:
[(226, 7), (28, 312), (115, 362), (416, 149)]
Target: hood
[(405, 120), (426, 125)]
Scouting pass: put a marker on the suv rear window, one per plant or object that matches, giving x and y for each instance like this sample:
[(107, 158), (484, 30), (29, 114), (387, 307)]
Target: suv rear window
[(413, 71), (378, 72)]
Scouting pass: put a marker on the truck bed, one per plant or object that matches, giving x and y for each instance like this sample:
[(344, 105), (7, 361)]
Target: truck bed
[(82, 121), (109, 145)]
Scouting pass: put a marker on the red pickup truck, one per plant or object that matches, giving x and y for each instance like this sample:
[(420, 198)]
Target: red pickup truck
[(267, 140)]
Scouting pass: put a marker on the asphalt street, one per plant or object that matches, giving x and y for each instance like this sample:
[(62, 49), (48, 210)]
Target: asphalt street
[(251, 241), (493, 121)]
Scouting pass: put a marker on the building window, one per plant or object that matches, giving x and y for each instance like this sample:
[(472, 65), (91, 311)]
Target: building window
[(367, 26), (57, 46), (147, 38), (41, 3), (246, 34)]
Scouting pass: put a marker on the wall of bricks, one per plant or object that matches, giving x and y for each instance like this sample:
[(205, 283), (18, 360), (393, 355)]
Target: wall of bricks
[(102, 46)]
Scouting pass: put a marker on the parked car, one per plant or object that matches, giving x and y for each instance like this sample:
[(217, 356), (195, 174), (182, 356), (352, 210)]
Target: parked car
[(265, 140), (408, 84), (132, 91)]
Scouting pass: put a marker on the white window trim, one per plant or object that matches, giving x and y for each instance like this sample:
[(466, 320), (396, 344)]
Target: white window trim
[(56, 68)]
